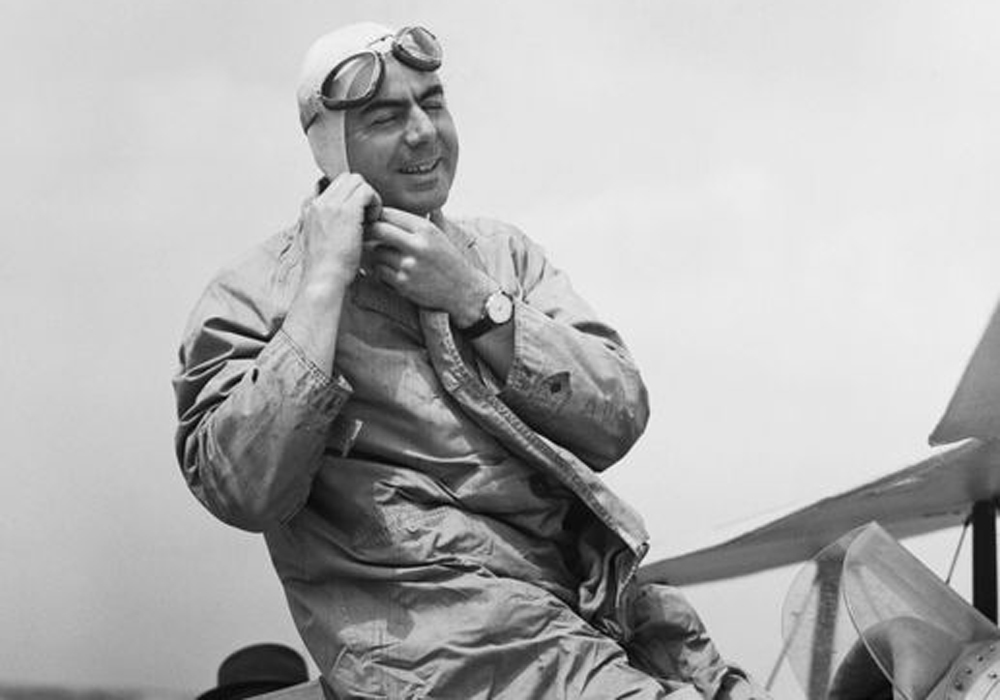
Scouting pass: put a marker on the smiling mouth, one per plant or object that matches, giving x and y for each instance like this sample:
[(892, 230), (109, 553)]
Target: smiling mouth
[(420, 168)]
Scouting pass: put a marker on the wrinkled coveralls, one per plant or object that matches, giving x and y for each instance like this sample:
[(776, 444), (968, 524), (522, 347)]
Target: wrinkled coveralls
[(437, 534)]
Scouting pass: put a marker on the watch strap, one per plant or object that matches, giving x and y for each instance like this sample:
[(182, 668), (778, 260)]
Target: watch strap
[(480, 327), (484, 324)]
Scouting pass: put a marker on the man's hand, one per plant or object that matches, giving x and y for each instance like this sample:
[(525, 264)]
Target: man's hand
[(414, 257), (333, 225)]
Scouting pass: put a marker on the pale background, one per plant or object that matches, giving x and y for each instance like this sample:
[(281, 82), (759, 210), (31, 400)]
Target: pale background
[(786, 206)]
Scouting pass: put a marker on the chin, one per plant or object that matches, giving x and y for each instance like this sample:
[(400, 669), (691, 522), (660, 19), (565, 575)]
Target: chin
[(419, 203)]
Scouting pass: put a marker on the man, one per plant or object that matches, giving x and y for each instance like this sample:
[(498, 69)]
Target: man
[(412, 410)]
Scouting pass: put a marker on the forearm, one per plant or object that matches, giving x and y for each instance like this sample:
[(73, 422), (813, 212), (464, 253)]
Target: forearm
[(256, 400), (496, 346), (313, 319), (560, 369), (257, 391), (577, 385), (251, 457)]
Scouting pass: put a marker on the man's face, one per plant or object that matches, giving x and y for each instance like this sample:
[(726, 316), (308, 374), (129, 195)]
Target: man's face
[(403, 142)]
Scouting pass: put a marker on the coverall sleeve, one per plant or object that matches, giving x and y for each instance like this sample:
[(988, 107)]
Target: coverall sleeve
[(572, 378), (253, 410)]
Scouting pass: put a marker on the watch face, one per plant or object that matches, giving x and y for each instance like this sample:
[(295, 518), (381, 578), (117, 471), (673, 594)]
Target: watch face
[(499, 307)]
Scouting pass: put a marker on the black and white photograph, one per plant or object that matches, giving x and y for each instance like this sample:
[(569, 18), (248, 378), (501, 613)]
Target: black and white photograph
[(500, 350)]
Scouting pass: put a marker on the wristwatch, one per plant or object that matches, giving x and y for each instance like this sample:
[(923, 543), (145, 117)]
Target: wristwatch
[(498, 310)]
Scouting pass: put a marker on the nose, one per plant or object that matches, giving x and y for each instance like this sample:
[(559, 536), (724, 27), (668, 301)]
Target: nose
[(419, 127)]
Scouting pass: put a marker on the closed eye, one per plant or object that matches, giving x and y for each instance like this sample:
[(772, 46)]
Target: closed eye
[(433, 98), (382, 117)]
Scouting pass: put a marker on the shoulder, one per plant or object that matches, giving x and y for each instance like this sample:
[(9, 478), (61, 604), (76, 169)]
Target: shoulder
[(256, 284), (507, 253), (494, 236), (262, 264), (485, 228)]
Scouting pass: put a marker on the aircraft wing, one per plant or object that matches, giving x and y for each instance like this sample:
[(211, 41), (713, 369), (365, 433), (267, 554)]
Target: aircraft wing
[(935, 493), (974, 409)]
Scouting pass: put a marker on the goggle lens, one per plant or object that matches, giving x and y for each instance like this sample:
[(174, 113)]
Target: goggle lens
[(353, 81), (418, 48)]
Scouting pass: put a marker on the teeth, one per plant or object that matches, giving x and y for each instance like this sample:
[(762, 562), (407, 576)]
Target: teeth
[(420, 168)]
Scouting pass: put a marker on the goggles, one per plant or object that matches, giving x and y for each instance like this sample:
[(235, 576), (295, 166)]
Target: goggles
[(357, 78)]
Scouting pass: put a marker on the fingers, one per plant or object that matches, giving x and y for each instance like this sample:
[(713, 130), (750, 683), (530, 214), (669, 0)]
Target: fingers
[(373, 210), (390, 257), (373, 204), (384, 233), (333, 222), (388, 275), (403, 219), (362, 195), (350, 189), (340, 188)]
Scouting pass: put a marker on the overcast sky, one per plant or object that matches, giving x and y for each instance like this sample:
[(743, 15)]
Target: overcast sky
[(788, 208)]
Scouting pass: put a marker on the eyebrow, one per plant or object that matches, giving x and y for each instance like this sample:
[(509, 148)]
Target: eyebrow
[(390, 103)]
